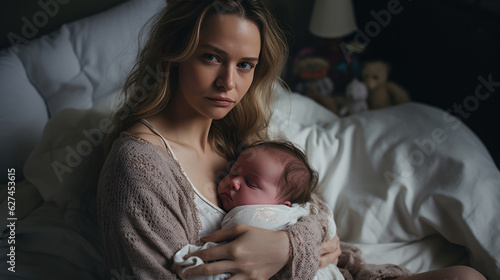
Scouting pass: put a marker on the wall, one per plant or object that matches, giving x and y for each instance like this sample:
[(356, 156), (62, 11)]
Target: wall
[(440, 51)]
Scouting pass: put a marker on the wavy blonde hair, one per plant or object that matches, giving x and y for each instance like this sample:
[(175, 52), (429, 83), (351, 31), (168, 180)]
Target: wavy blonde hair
[(173, 38)]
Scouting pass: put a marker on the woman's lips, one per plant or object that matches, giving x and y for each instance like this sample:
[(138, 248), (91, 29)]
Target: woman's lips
[(221, 101)]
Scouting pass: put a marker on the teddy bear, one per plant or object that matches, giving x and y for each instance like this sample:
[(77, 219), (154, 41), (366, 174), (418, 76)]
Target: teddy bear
[(356, 94), (381, 92)]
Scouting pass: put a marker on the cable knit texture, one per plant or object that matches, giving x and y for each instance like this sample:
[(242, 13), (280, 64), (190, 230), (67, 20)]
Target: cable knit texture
[(352, 266), (305, 238), (146, 213)]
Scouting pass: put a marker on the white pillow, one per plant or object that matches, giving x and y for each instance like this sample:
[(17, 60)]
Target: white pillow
[(88, 59), (82, 65), (66, 162), (22, 114)]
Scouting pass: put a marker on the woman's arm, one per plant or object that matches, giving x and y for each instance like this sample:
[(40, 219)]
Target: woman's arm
[(253, 253), (259, 254), (143, 218), (129, 248), (306, 239)]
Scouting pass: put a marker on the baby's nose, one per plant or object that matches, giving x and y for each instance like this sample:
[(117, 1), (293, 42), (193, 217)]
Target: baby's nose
[(234, 183)]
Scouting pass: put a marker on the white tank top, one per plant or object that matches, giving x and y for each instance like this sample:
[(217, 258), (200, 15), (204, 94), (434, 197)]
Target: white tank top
[(210, 215)]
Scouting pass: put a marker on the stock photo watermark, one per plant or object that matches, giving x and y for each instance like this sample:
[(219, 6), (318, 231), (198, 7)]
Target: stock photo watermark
[(372, 29), (31, 26), (11, 219), (75, 154), (471, 103), (156, 76), (426, 147), (93, 137)]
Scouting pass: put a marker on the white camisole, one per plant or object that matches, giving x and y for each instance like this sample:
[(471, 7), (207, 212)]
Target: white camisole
[(210, 215)]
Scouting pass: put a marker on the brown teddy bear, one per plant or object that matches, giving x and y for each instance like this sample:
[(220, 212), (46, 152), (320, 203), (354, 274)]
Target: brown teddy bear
[(381, 92)]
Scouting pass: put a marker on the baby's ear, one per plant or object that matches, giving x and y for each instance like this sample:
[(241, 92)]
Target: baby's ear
[(287, 203)]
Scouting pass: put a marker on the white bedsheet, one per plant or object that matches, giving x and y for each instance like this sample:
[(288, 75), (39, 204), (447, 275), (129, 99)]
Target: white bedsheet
[(401, 181)]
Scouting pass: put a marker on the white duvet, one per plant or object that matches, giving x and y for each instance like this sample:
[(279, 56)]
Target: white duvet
[(410, 185)]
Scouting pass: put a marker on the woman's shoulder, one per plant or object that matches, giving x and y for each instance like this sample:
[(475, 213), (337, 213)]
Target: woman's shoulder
[(133, 161), (141, 131), (132, 148)]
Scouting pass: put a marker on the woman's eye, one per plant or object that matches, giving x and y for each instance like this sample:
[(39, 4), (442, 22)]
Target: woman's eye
[(211, 58), (245, 66)]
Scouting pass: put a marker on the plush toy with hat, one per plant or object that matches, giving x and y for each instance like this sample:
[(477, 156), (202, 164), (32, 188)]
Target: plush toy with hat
[(311, 72)]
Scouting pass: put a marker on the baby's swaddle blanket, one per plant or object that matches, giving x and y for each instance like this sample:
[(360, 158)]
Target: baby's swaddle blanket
[(272, 217)]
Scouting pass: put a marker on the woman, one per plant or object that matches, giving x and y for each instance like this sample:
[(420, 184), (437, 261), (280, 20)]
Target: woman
[(200, 90)]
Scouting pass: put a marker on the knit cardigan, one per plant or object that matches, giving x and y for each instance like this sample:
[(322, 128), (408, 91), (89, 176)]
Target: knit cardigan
[(146, 213)]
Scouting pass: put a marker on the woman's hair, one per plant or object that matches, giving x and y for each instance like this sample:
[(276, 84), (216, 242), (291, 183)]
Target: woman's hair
[(298, 180), (173, 38)]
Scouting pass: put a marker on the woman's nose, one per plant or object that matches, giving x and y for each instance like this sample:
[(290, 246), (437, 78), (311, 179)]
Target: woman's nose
[(226, 78)]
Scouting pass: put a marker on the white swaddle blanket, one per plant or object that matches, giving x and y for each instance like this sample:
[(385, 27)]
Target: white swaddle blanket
[(272, 217)]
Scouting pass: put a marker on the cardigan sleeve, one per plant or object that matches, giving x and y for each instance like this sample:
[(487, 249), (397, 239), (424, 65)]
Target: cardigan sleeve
[(305, 238), (143, 216)]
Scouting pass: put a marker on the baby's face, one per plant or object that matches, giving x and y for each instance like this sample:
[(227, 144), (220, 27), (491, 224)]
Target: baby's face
[(253, 179)]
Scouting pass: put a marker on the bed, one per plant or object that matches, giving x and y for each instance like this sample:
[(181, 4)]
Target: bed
[(410, 185)]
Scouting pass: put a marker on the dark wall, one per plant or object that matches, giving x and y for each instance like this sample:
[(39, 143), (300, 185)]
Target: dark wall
[(443, 52), (440, 50)]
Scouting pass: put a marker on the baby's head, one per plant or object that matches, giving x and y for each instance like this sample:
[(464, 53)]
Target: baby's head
[(273, 172)]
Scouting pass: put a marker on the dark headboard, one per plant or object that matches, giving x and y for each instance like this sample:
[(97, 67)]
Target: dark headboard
[(29, 19)]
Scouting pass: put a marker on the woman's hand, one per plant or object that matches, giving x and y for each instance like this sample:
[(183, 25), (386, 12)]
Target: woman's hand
[(329, 252), (254, 253)]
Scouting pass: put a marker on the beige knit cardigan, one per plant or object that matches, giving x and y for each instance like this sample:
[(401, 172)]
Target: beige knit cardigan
[(146, 213)]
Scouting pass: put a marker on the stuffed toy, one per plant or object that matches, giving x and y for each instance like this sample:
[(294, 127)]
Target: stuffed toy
[(356, 94), (312, 74), (313, 81), (381, 92)]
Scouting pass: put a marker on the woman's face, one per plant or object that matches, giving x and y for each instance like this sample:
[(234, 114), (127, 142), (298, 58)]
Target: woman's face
[(219, 73)]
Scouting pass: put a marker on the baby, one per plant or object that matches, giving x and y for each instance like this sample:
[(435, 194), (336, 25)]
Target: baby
[(269, 186)]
